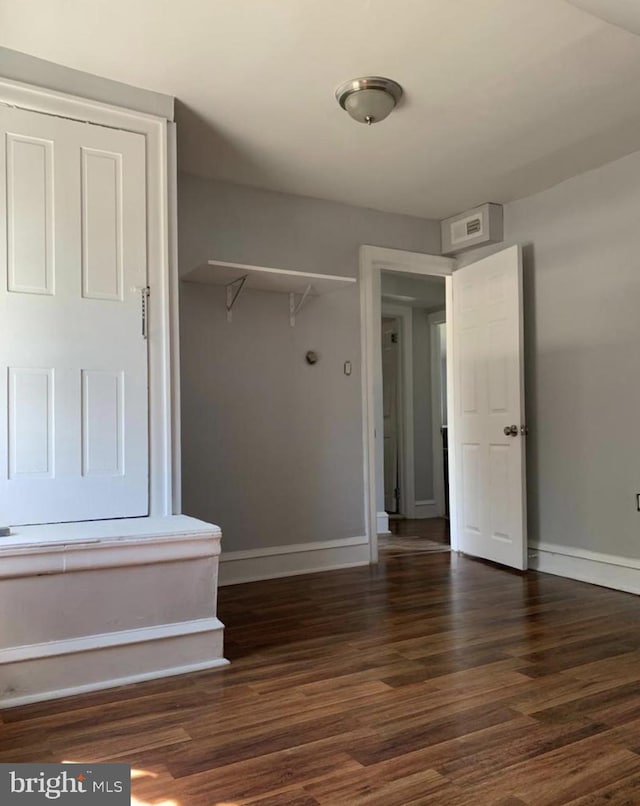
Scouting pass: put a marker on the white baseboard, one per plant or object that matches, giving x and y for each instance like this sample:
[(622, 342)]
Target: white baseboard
[(283, 561), (426, 509), (607, 570), (77, 665), (382, 523)]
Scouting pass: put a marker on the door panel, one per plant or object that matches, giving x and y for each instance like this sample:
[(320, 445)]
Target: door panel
[(29, 195), (73, 362), (489, 396), (102, 218)]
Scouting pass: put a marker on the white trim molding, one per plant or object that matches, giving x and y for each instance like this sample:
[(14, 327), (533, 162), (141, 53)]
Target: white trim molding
[(301, 558), (426, 509), (607, 570), (89, 643), (373, 260), (435, 320), (382, 520), (451, 419), (77, 665)]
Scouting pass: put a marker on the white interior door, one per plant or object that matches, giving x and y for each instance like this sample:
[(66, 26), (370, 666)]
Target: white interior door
[(73, 360), (391, 413), (489, 407)]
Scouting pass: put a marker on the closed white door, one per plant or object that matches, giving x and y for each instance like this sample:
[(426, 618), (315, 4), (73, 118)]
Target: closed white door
[(489, 401), (73, 359), (391, 413)]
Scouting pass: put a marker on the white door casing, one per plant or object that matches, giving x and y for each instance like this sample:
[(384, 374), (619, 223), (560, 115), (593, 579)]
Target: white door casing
[(73, 361), (438, 406), (488, 385)]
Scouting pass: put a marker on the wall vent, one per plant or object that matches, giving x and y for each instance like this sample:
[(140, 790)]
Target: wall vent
[(482, 225)]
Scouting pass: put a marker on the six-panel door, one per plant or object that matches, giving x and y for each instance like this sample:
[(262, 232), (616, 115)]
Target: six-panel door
[(489, 408), (73, 360)]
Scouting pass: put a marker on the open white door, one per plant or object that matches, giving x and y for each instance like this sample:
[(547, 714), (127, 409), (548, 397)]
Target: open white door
[(488, 384)]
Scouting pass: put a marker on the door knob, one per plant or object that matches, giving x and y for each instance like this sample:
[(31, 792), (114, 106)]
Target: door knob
[(511, 430)]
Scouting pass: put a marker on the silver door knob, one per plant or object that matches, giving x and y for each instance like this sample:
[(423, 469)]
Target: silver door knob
[(511, 430)]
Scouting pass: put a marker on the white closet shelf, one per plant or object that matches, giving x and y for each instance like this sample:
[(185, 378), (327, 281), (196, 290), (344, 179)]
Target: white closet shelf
[(261, 278), (238, 276)]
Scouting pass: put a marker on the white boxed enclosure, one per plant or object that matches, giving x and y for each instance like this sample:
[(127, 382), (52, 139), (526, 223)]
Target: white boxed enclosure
[(93, 605), (102, 582)]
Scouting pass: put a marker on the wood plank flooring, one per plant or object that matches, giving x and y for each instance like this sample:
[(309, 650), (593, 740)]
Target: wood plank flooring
[(427, 534), (435, 529), (428, 679)]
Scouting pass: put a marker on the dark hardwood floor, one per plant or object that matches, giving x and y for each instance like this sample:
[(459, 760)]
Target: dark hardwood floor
[(429, 679), (426, 534), (435, 529)]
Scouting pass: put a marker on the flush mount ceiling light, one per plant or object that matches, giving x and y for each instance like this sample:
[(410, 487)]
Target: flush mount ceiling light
[(369, 99)]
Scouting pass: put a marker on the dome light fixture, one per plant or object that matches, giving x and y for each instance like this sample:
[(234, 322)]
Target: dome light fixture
[(369, 99)]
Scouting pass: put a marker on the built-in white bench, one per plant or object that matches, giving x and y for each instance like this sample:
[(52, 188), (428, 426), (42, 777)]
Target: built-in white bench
[(85, 606)]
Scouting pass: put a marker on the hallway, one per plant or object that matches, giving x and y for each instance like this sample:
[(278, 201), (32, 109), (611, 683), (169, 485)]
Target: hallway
[(423, 535)]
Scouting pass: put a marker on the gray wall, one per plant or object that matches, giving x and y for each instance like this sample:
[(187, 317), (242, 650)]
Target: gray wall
[(582, 332), (272, 448), (30, 70)]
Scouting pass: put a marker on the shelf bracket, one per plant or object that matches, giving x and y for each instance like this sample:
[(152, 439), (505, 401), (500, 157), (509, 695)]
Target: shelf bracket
[(234, 290), (294, 309)]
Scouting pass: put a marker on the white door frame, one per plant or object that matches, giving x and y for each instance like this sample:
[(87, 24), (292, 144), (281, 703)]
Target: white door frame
[(436, 319), (373, 260), (404, 315), (162, 270)]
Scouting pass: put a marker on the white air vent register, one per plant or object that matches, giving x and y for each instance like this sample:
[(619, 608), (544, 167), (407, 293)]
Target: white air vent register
[(482, 225)]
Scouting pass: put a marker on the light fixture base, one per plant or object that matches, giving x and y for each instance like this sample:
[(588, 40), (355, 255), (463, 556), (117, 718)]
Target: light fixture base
[(346, 92)]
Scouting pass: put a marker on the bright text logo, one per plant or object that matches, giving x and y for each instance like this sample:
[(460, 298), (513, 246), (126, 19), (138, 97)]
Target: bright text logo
[(93, 785)]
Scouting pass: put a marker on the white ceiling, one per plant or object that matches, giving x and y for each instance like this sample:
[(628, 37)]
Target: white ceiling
[(624, 13), (503, 97)]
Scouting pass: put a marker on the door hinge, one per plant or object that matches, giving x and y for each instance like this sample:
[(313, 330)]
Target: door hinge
[(144, 305)]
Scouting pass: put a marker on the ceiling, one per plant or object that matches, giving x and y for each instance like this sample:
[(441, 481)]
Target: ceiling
[(624, 13), (503, 97)]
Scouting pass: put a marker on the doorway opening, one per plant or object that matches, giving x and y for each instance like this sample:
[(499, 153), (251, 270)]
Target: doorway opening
[(401, 266), (414, 400)]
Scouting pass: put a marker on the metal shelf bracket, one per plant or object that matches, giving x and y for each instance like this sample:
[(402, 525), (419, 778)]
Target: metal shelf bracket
[(234, 290), (295, 308)]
